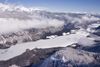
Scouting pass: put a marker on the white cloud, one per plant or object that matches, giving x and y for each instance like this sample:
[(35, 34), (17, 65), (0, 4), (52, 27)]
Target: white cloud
[(12, 21), (39, 8), (85, 42), (9, 25), (82, 19)]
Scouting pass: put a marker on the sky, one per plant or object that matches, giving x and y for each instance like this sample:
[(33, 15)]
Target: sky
[(60, 5)]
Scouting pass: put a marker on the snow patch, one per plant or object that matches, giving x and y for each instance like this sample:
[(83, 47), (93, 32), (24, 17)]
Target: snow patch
[(51, 37), (14, 66)]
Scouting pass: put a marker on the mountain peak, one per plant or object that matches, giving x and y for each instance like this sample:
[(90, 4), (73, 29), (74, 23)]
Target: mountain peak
[(12, 7)]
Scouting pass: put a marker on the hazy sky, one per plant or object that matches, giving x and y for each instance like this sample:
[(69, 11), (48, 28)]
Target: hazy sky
[(60, 5)]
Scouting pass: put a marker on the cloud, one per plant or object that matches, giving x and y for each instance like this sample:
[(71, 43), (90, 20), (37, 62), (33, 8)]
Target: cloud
[(39, 8), (10, 25), (19, 3), (22, 18), (82, 19), (6, 1), (85, 42)]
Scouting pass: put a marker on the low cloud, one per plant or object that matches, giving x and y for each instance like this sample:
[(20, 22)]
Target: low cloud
[(85, 42), (13, 18), (10, 25), (82, 18)]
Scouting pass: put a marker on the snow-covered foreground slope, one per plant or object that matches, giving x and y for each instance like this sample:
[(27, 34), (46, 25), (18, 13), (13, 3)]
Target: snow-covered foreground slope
[(62, 41), (69, 57)]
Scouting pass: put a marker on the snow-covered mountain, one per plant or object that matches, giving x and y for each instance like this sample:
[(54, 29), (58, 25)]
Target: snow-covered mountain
[(42, 29), (12, 7), (60, 41), (69, 57), (18, 24)]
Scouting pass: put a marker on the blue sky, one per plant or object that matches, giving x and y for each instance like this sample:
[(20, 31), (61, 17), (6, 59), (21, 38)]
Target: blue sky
[(61, 5)]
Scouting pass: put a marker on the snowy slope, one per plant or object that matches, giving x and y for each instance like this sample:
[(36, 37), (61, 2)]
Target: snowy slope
[(69, 57), (15, 18), (62, 41)]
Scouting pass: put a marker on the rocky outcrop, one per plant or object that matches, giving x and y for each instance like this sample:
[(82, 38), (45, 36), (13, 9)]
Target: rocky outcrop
[(33, 34)]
